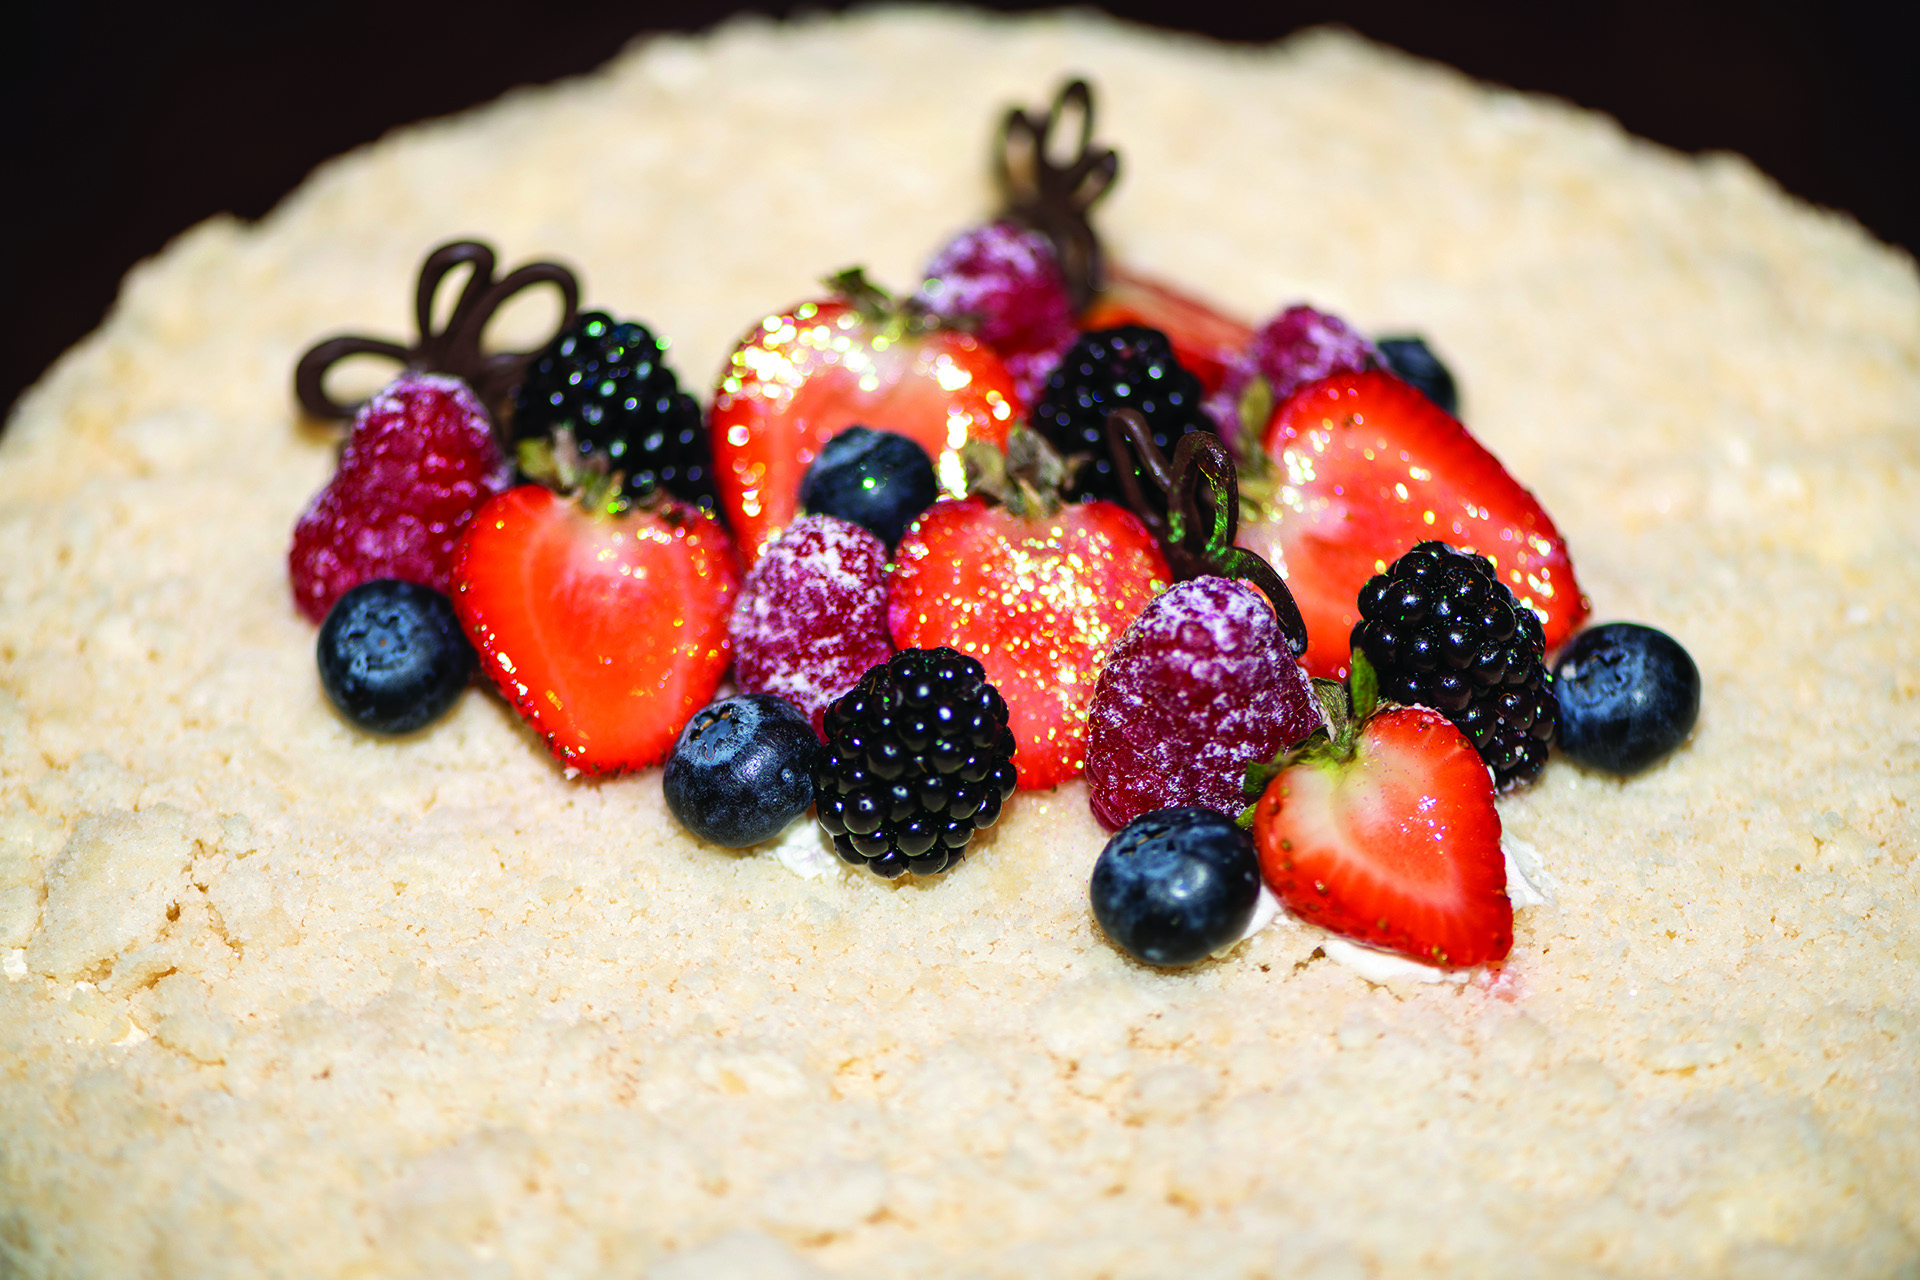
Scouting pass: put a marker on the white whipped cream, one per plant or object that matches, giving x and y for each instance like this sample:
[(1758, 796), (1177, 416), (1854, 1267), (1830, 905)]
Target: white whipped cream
[(804, 849)]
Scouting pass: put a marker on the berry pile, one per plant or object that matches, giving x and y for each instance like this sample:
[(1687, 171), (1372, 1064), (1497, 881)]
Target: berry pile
[(918, 759), (938, 526), (1444, 632)]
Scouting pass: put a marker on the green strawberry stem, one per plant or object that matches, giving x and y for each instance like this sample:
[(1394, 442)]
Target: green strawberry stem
[(1347, 708), (585, 479), (890, 318)]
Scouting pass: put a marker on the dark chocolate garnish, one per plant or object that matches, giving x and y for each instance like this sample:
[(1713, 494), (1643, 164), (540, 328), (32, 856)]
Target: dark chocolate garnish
[(1053, 198), (1197, 529), (455, 349)]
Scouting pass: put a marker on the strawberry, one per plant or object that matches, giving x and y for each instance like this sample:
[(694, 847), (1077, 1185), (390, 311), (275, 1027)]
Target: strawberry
[(801, 377), (605, 631), (1038, 592), (1382, 828), (1205, 341), (1363, 468)]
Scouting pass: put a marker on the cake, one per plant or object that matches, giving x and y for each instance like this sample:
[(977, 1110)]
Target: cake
[(283, 998)]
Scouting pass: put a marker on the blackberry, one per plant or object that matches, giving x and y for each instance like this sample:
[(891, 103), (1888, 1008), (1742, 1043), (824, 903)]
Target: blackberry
[(1443, 631), (918, 758), (608, 384), (1131, 367)]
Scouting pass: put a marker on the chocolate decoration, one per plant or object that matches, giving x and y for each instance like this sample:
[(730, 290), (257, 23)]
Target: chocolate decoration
[(1052, 198), (455, 349), (1196, 533)]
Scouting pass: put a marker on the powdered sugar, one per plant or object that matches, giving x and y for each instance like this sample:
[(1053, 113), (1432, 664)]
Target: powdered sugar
[(812, 616), (1201, 686)]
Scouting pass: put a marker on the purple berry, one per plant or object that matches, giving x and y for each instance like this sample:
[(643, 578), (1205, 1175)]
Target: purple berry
[(1003, 280), (1200, 686), (1298, 346)]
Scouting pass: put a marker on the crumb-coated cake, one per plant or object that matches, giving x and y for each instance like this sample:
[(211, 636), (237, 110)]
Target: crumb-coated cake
[(282, 997)]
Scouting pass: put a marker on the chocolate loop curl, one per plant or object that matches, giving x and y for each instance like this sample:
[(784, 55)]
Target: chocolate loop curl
[(1196, 529), (455, 349), (1053, 198)]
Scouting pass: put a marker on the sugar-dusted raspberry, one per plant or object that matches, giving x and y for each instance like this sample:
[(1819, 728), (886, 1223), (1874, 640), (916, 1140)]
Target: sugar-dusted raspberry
[(1298, 346), (1003, 281), (811, 618), (420, 460), (1200, 686)]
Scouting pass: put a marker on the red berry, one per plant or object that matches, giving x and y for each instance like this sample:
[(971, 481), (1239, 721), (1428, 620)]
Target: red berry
[(1366, 467), (606, 633), (1003, 281), (798, 379), (1200, 686), (1389, 836), (420, 460), (1298, 346), (812, 616), (1038, 599)]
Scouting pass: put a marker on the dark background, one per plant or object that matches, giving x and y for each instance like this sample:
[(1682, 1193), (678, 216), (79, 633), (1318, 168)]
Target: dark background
[(129, 128)]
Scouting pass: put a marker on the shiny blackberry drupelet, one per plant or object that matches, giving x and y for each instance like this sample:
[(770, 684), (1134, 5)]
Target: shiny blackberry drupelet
[(1412, 361), (393, 656), (1175, 885), (741, 770), (919, 757), (1131, 367), (608, 383), (879, 480), (1442, 631), (1628, 694)]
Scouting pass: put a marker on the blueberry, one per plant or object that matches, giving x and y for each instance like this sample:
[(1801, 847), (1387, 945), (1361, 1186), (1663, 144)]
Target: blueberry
[(742, 770), (1628, 695), (1412, 361), (392, 655), (875, 479), (1176, 884)]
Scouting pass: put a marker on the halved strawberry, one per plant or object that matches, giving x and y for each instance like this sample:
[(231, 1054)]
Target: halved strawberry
[(1383, 829), (799, 378), (1038, 594), (1205, 341), (605, 632), (1365, 467)]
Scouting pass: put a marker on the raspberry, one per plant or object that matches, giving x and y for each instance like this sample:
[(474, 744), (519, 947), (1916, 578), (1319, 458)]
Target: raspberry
[(1198, 688), (812, 616), (919, 757), (609, 385), (420, 460), (1298, 346), (1130, 367), (1443, 631), (1003, 281)]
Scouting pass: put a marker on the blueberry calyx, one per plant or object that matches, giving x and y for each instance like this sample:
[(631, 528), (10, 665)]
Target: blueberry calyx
[(392, 656), (1628, 694), (742, 770), (1175, 885), (879, 480)]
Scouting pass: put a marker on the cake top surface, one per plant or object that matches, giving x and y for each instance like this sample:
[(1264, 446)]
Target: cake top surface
[(281, 997)]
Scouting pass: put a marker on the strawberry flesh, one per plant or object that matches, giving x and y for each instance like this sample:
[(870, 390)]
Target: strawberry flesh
[(1038, 601), (799, 379), (1398, 847), (1365, 467), (605, 633)]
